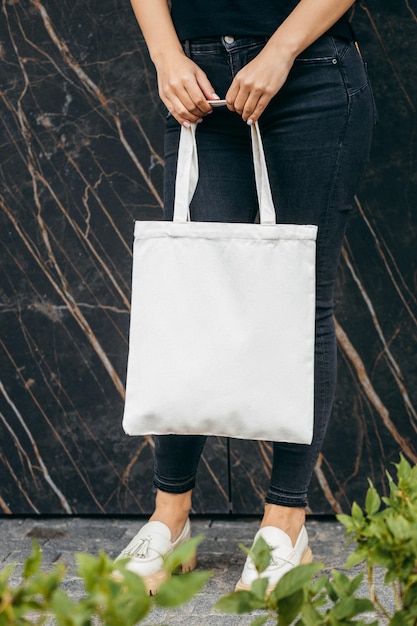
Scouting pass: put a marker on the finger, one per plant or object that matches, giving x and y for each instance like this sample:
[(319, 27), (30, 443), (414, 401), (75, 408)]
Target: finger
[(246, 101), (200, 90), (252, 116), (189, 100), (197, 88), (230, 96), (251, 104), (206, 87), (183, 97), (179, 108), (199, 106), (242, 95)]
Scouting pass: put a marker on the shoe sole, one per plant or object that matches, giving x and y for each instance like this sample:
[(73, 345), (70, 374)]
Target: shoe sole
[(241, 586), (154, 581)]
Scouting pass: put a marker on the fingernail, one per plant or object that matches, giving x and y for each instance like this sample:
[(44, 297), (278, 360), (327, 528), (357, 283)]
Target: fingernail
[(199, 120), (186, 124), (249, 122), (214, 96)]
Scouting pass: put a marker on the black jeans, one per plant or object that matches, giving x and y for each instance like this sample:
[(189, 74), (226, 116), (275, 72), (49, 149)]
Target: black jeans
[(317, 133)]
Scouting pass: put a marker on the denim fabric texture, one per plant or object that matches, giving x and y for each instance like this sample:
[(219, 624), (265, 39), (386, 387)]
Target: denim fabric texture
[(317, 134)]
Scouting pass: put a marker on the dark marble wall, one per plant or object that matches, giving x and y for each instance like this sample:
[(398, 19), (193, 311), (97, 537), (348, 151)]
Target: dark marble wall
[(80, 160)]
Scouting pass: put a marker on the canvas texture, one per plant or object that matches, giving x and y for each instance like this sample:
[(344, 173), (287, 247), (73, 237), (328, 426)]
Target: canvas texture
[(222, 320)]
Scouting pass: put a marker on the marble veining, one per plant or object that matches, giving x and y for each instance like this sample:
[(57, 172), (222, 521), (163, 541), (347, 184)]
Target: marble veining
[(81, 157)]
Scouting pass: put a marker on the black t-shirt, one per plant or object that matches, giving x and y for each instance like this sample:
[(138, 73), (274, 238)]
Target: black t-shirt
[(208, 18)]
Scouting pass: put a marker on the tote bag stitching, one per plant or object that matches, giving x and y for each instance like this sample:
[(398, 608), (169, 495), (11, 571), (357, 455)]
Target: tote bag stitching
[(176, 352)]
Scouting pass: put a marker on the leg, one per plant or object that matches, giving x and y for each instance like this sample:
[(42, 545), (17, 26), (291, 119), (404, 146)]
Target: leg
[(225, 193), (314, 175), (317, 134), (176, 462), (226, 180)]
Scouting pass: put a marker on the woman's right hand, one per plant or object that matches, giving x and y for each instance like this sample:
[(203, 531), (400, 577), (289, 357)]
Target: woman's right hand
[(184, 88)]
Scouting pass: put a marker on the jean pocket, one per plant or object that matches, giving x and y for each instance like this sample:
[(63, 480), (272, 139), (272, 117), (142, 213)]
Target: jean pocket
[(351, 65), (303, 62), (321, 52)]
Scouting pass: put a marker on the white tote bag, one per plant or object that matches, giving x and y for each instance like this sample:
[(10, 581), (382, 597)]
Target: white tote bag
[(222, 320)]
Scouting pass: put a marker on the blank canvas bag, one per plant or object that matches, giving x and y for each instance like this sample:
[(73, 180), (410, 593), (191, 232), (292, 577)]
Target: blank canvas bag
[(222, 320)]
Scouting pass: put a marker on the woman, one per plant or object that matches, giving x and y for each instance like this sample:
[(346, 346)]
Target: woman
[(295, 67)]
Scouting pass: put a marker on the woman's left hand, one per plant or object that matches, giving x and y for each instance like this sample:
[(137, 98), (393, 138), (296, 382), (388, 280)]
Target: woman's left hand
[(257, 83)]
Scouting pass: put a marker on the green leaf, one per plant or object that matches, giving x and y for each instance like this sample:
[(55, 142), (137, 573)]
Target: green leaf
[(402, 618), (399, 527), (180, 589), (63, 608), (258, 587), (90, 569), (410, 596), (373, 501), (239, 602), (403, 469), (351, 607), (355, 583), (346, 520), (87, 563), (343, 585), (129, 598), (363, 605), (135, 612), (260, 553), (356, 557), (230, 602), (357, 514), (294, 580), (33, 562), (260, 621), (316, 586), (130, 582), (114, 594), (125, 610), (5, 574), (45, 584), (182, 554), (290, 607), (311, 617)]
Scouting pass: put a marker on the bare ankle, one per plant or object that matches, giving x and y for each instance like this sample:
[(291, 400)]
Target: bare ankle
[(288, 519), (172, 509)]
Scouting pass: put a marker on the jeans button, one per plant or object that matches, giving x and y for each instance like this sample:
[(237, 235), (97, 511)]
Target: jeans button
[(229, 39)]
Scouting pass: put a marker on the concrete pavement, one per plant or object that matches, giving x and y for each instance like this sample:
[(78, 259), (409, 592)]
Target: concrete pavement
[(61, 537)]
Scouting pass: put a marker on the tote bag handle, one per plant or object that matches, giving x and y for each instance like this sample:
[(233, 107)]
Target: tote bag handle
[(187, 176)]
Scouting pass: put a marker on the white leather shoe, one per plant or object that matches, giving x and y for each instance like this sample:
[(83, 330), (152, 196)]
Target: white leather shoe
[(148, 549), (284, 556)]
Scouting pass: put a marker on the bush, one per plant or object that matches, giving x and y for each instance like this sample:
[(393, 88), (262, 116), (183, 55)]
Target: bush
[(113, 596), (300, 597), (385, 533), (386, 538)]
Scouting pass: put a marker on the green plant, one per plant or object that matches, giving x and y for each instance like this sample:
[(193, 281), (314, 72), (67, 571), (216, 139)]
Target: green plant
[(299, 598), (386, 538), (113, 596), (385, 533)]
